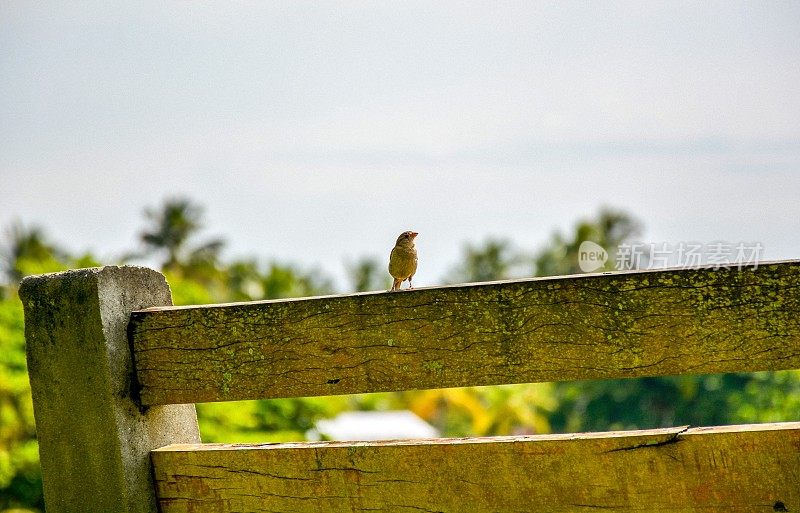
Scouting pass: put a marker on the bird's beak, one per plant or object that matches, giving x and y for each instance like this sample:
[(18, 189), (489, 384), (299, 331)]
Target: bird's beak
[(414, 235)]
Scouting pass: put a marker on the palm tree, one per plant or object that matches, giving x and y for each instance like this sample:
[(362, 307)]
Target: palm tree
[(27, 251), (494, 259), (368, 273), (610, 229), (172, 226), (286, 280)]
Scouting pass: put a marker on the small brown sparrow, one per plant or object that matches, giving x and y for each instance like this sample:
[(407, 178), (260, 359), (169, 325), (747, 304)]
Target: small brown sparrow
[(403, 259)]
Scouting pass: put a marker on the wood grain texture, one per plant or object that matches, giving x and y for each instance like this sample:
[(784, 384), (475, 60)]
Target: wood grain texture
[(568, 328), (728, 469)]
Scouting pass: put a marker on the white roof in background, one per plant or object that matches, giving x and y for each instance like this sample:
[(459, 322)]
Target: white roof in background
[(373, 425)]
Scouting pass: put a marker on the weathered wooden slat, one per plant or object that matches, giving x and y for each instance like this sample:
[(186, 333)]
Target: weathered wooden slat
[(726, 469), (581, 327)]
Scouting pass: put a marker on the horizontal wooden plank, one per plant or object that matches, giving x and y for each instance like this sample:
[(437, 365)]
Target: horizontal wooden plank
[(728, 469), (610, 325)]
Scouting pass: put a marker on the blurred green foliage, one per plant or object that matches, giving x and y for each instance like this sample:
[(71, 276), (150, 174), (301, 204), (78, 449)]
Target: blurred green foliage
[(197, 275), (20, 479)]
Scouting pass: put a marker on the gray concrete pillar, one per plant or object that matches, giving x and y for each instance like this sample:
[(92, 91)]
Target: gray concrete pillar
[(94, 442)]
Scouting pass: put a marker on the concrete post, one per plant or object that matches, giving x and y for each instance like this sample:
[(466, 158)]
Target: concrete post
[(94, 441)]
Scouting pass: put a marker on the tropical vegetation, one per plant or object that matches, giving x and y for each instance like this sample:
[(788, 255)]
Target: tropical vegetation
[(173, 237)]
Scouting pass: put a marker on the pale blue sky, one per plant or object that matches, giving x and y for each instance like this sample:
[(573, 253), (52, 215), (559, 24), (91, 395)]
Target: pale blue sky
[(315, 132)]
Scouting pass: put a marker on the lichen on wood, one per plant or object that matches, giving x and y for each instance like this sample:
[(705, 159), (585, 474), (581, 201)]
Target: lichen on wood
[(612, 325), (725, 469)]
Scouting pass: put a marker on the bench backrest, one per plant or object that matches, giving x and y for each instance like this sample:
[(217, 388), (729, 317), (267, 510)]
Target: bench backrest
[(115, 371)]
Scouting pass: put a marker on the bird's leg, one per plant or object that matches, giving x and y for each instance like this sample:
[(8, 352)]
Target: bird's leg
[(409, 282), (396, 284)]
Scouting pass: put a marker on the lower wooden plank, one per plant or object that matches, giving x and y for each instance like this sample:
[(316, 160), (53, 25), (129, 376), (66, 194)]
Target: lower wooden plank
[(747, 468)]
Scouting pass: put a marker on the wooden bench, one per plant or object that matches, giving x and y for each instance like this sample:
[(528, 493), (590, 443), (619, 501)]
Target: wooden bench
[(115, 372)]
